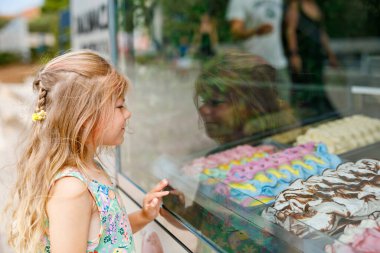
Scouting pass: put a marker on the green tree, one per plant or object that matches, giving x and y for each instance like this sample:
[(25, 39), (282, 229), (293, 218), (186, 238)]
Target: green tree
[(182, 18), (48, 22), (3, 22), (354, 18), (54, 6)]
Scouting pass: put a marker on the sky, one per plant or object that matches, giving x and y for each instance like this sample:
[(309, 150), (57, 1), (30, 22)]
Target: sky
[(11, 7)]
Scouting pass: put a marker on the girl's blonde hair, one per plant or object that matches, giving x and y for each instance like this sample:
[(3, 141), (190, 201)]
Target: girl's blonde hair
[(77, 91)]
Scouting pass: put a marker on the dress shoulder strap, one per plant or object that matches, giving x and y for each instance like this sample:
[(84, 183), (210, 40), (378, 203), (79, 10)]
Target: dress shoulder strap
[(70, 172)]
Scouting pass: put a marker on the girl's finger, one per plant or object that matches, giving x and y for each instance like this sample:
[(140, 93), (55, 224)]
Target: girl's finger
[(160, 186), (153, 195), (160, 194), (154, 202)]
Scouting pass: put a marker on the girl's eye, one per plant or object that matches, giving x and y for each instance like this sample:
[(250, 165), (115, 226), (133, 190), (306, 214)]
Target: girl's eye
[(120, 106), (201, 101), (216, 102)]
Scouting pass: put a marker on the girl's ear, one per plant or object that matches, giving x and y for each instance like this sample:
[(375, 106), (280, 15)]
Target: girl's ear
[(243, 110)]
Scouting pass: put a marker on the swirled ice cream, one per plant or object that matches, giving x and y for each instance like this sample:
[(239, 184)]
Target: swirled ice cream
[(331, 201), (225, 159), (257, 177), (264, 178)]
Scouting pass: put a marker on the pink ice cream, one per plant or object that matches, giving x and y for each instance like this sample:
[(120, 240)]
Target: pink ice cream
[(364, 238)]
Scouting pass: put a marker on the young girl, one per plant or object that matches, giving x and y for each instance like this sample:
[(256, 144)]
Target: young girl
[(63, 200)]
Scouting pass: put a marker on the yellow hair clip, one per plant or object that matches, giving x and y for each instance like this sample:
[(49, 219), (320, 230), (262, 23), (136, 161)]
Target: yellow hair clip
[(39, 116)]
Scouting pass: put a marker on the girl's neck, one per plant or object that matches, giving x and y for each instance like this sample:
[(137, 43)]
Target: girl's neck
[(91, 150), (89, 160), (92, 168)]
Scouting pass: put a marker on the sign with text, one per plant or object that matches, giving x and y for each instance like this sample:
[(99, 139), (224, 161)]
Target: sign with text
[(89, 25)]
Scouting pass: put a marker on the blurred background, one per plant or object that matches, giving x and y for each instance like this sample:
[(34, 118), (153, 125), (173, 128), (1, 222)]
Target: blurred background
[(31, 32)]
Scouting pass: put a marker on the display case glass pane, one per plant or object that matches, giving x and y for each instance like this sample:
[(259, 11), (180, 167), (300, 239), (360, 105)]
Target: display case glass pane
[(233, 101)]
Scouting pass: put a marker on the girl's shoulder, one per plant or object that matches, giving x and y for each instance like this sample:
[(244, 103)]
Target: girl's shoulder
[(68, 182), (68, 187)]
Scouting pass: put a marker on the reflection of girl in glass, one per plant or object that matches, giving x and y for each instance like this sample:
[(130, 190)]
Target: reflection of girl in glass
[(237, 97)]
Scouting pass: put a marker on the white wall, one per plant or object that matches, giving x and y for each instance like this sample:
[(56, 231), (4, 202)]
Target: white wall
[(14, 37)]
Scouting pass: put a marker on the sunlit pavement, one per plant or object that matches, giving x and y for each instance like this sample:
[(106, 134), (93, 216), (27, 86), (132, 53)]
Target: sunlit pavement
[(15, 101)]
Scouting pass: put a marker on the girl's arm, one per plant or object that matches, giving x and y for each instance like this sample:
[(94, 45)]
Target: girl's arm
[(214, 36), (69, 213), (196, 40), (291, 36), (239, 30), (330, 54), (151, 207)]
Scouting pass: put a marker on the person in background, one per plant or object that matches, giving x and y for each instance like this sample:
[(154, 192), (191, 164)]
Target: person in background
[(183, 61), (307, 45), (183, 47), (206, 38), (63, 200), (259, 24)]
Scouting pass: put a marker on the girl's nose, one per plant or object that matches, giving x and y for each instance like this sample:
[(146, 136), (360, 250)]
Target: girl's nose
[(127, 114), (205, 110)]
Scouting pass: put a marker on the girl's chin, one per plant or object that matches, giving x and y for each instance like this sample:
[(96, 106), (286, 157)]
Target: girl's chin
[(118, 142), (115, 143), (121, 140)]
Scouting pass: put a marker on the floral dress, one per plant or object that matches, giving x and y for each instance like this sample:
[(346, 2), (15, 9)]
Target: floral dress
[(115, 234)]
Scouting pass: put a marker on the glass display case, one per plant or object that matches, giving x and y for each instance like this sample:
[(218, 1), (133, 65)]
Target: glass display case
[(233, 128)]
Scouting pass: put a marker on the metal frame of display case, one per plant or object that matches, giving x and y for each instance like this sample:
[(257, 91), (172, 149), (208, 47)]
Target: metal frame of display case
[(190, 239), (249, 220), (173, 226)]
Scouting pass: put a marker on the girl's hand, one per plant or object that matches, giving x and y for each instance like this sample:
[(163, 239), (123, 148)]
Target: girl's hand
[(264, 29), (296, 63), (153, 200), (333, 61)]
